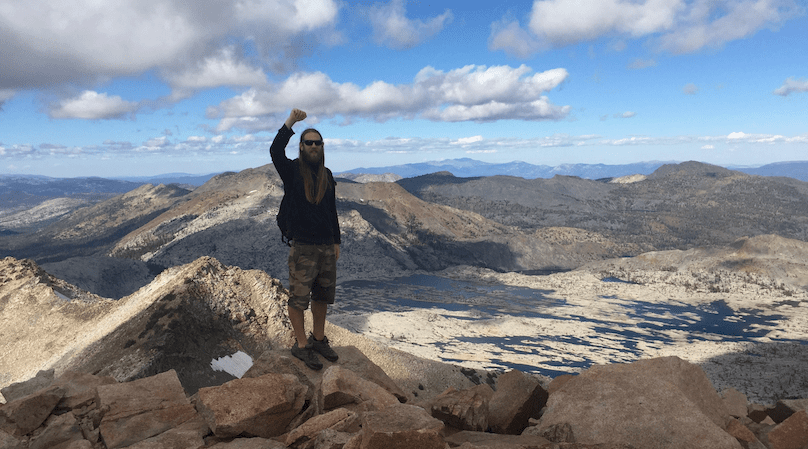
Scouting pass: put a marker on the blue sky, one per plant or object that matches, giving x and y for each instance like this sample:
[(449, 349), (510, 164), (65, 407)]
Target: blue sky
[(144, 87)]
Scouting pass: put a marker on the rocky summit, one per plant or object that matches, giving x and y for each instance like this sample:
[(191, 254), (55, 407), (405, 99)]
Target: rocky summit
[(660, 311), (654, 403), (159, 369)]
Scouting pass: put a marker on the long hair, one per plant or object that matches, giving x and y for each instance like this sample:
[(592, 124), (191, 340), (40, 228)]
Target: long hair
[(314, 193)]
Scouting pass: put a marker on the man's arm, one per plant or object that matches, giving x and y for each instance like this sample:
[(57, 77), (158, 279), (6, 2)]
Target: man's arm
[(278, 148)]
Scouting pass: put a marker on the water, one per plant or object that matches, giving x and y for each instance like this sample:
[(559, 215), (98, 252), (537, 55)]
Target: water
[(494, 326)]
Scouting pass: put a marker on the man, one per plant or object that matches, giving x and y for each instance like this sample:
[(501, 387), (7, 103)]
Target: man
[(314, 231)]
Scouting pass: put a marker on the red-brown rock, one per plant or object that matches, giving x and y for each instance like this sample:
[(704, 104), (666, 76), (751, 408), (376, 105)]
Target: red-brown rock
[(22, 416), (340, 387), (735, 402), (518, 397), (791, 433), (142, 408), (652, 404), (261, 406), (398, 427)]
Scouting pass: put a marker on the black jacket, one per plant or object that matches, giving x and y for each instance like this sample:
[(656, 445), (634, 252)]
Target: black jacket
[(310, 223)]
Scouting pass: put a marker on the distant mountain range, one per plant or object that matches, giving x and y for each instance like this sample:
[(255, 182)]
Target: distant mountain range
[(16, 189), (466, 168)]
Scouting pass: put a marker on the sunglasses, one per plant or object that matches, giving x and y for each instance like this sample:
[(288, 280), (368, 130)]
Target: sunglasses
[(310, 143)]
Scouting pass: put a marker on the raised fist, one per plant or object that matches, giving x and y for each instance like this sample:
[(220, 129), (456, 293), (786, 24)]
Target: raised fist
[(297, 115)]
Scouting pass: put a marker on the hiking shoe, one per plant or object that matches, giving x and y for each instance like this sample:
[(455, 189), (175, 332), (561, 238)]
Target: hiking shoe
[(323, 348), (308, 356)]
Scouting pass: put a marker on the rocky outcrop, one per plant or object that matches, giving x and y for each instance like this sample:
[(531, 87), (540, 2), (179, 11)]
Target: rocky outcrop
[(654, 403)]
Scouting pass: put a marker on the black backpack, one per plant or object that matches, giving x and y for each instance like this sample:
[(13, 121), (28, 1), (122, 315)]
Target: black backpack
[(284, 219)]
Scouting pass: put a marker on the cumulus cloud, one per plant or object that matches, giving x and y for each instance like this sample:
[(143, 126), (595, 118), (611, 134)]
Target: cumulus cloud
[(221, 69), (677, 26), (790, 86), (48, 43), (92, 105), (392, 28), (470, 93)]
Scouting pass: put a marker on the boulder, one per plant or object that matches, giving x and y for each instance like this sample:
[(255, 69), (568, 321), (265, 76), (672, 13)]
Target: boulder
[(785, 408), (742, 433), (472, 439), (338, 420), (351, 358), (791, 433), (142, 408), (558, 382), (329, 439), (757, 412), (80, 388), (735, 402), (249, 443), (261, 406), (463, 409), (58, 429), (518, 397), (656, 403), (399, 426), (10, 442), (43, 379), (23, 415), (557, 433), (342, 387)]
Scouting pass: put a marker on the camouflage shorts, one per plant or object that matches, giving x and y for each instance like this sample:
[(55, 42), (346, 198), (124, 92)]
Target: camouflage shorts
[(312, 274)]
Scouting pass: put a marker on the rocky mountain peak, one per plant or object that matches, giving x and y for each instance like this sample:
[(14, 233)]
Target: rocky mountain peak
[(691, 168)]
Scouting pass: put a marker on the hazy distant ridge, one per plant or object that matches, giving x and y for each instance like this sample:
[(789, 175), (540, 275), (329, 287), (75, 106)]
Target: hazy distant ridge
[(466, 168)]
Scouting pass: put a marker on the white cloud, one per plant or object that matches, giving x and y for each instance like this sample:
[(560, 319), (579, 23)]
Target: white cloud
[(707, 23), (677, 26), (708, 147), (47, 42), (792, 85), (92, 105), (736, 135), (468, 140), (690, 89), (470, 93), (392, 28), (510, 37), (627, 114), (156, 143), (222, 69), (564, 22)]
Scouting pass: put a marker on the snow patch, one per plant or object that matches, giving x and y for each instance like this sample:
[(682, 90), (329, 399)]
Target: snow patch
[(236, 364)]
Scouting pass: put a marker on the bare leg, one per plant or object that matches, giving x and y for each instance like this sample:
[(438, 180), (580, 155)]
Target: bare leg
[(318, 312), (298, 325)]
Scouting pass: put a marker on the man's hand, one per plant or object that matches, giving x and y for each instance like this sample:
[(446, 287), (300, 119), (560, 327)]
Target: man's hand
[(295, 116), (336, 249)]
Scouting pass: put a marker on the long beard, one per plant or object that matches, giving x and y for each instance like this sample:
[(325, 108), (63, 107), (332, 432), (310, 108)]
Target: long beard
[(315, 191)]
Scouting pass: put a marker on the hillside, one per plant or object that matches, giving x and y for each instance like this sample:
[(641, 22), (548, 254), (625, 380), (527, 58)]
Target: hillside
[(676, 207)]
